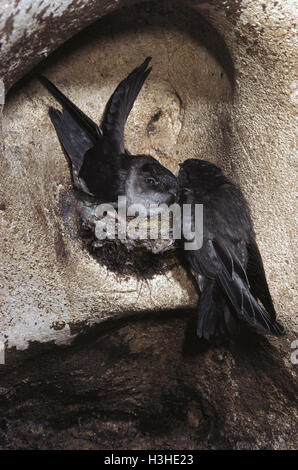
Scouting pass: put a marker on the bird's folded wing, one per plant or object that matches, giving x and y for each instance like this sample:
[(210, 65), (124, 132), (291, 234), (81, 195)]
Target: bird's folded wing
[(119, 107), (217, 262), (257, 278)]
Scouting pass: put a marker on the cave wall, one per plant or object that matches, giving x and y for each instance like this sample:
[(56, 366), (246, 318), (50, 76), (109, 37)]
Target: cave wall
[(225, 69)]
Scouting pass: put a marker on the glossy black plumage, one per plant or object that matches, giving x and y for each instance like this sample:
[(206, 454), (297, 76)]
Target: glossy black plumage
[(228, 267), (101, 166)]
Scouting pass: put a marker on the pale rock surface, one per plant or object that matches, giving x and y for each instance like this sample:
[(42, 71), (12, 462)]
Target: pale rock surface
[(223, 88)]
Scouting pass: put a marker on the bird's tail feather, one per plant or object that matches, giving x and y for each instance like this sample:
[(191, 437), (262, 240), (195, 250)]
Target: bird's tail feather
[(214, 316), (120, 104)]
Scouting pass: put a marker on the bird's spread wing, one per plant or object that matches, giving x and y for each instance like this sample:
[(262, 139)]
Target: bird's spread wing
[(217, 262), (91, 129), (86, 144), (72, 138), (76, 131), (119, 107)]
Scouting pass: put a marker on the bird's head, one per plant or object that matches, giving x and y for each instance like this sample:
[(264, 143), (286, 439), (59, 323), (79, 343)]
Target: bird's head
[(149, 182), (195, 173), (188, 172), (185, 178)]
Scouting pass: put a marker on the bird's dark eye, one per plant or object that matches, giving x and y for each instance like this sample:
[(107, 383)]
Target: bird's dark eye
[(151, 181)]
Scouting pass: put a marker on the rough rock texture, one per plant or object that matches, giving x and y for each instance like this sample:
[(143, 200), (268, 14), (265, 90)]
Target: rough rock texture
[(30, 30), (147, 384), (64, 283), (223, 88)]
